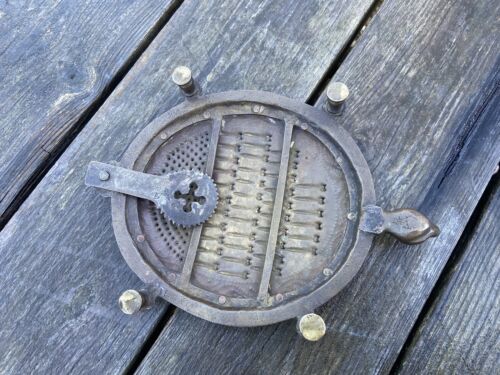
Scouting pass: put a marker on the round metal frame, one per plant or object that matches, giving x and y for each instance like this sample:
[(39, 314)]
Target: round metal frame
[(242, 313)]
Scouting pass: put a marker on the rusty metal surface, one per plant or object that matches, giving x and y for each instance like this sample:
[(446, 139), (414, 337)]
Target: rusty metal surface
[(291, 228)]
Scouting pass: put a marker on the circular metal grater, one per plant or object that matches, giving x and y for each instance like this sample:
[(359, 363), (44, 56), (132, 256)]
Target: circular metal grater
[(291, 200)]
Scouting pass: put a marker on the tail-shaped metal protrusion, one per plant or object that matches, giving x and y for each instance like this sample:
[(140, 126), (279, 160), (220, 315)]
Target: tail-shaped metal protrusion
[(406, 224)]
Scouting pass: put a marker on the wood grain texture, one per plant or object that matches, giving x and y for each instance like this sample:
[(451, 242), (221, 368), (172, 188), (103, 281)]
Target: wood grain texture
[(61, 269), (460, 333), (425, 110), (56, 59)]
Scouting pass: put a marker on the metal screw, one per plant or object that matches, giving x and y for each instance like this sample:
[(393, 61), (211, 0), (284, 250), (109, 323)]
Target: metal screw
[(163, 136), (279, 297), (327, 272), (222, 300), (312, 327), (103, 175), (351, 216), (183, 78), (130, 301), (140, 238), (336, 95)]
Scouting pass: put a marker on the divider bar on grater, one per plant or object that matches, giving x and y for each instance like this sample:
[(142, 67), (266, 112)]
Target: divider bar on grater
[(276, 218), (195, 236)]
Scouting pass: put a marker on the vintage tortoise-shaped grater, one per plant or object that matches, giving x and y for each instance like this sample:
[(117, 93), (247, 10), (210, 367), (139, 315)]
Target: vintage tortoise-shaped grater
[(246, 208)]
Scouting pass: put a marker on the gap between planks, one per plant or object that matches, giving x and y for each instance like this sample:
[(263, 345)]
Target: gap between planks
[(86, 115), (344, 52), (453, 260), (150, 339)]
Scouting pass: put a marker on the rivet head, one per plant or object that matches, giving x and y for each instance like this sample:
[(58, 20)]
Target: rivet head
[(351, 216), (103, 175), (257, 108), (163, 136), (140, 238), (279, 297), (182, 75), (327, 272), (337, 92), (312, 327), (222, 300), (171, 277), (130, 302)]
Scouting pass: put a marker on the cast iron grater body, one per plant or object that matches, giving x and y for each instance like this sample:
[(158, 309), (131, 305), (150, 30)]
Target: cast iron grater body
[(274, 214)]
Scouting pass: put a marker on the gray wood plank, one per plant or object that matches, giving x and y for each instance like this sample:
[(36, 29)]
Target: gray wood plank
[(425, 111), (57, 58), (460, 333), (61, 269)]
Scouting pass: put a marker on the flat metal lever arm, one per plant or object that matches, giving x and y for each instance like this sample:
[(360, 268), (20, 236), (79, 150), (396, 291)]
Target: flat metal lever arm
[(185, 197), (122, 180), (406, 224)]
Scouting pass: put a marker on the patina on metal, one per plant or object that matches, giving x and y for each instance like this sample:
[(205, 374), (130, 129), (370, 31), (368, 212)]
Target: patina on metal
[(336, 96), (131, 302), (185, 197), (183, 78), (407, 225), (295, 218), (311, 326)]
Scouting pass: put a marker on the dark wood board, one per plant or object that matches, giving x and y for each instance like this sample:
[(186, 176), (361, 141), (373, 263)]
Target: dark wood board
[(425, 112), (57, 60), (460, 333), (61, 269)]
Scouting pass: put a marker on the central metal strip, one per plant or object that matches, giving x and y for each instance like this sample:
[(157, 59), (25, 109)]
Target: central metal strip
[(277, 209), (195, 236)]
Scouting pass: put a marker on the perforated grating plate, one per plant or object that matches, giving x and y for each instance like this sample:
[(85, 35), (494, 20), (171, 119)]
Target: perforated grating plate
[(285, 235)]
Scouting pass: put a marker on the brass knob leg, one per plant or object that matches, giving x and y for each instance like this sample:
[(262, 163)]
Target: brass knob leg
[(131, 302), (336, 95), (311, 326), (183, 78)]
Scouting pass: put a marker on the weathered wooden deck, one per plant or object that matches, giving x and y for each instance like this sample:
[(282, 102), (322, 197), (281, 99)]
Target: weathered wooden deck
[(79, 79)]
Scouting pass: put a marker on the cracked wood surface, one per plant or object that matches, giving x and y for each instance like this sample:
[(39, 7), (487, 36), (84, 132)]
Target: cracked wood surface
[(424, 111), (61, 269), (57, 58), (460, 333)]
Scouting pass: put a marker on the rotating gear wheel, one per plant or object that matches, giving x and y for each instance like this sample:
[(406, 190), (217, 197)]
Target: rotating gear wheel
[(187, 198), (192, 201)]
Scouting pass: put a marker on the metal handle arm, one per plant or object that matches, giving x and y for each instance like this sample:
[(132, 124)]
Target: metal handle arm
[(126, 181)]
